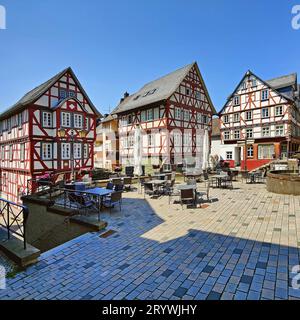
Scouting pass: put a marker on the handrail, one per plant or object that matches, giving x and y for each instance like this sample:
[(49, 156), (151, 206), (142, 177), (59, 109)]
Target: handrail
[(14, 218)]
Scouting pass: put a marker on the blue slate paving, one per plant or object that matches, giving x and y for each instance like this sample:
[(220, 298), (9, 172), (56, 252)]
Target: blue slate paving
[(153, 256)]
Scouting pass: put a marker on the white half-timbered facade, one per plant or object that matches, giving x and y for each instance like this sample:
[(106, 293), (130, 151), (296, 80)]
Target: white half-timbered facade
[(30, 143), (261, 121), (172, 112)]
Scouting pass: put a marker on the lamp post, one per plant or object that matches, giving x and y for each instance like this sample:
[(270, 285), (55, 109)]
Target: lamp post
[(62, 133)]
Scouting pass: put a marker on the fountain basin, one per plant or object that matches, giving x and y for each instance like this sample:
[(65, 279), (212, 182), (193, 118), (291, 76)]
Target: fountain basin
[(283, 182)]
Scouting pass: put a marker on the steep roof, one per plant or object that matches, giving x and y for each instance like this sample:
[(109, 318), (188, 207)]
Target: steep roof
[(283, 81), (275, 84), (34, 94), (216, 128), (158, 90)]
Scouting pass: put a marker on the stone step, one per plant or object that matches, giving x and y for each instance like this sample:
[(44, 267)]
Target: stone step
[(14, 250)]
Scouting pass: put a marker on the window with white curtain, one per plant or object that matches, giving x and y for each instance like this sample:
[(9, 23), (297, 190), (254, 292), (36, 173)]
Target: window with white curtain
[(65, 151), (265, 151), (77, 151), (47, 151)]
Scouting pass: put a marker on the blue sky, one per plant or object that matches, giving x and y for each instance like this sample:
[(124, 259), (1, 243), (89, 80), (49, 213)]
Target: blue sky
[(118, 45)]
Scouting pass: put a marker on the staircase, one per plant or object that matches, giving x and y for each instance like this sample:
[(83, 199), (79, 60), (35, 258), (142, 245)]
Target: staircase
[(268, 166)]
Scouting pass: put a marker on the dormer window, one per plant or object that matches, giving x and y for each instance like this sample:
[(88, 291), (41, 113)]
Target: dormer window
[(147, 93), (265, 95), (236, 100)]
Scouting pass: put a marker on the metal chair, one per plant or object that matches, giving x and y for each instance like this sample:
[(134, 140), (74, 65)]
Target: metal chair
[(127, 183), (110, 186), (114, 199), (116, 181), (169, 190), (187, 195), (148, 189), (201, 193), (226, 182)]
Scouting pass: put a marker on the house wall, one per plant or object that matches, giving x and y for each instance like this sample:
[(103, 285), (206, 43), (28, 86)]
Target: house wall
[(176, 126), (24, 134), (277, 128)]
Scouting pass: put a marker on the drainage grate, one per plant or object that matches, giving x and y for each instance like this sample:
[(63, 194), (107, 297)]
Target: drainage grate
[(107, 234)]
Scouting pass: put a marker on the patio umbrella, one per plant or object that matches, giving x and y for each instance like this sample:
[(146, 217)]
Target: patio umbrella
[(205, 151), (137, 152)]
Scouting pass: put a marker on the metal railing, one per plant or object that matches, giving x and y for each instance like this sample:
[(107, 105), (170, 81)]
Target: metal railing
[(13, 218), (81, 201)]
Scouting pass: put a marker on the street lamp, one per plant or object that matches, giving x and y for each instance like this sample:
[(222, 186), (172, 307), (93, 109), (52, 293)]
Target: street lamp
[(62, 133)]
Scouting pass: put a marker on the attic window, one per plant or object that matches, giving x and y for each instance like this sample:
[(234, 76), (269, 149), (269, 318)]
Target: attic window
[(254, 83), (62, 94), (149, 93), (187, 91), (135, 98)]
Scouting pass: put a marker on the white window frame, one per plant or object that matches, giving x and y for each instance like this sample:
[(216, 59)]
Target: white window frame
[(47, 119), (77, 151), (49, 152), (65, 151), (229, 155), (250, 151), (247, 113), (236, 117), (86, 150), (265, 112), (263, 131), (78, 121), (265, 95), (186, 115), (226, 135), (22, 152), (249, 133), (11, 153), (237, 100), (65, 118), (149, 114), (278, 113), (237, 134), (279, 131), (177, 113), (20, 119), (151, 140), (269, 154), (226, 118)]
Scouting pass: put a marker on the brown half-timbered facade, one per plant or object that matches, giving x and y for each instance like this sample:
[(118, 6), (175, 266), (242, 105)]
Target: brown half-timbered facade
[(30, 144)]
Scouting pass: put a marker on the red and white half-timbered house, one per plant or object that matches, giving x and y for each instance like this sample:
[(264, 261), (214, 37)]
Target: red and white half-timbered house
[(261, 121), (30, 143), (172, 112)]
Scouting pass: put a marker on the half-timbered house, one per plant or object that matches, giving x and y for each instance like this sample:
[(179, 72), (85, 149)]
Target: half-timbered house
[(51, 130), (261, 121), (171, 111)]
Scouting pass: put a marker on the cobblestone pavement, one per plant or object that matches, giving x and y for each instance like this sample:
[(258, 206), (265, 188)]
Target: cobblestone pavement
[(242, 246)]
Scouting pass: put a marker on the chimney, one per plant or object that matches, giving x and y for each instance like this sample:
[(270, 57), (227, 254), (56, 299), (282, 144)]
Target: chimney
[(126, 95)]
